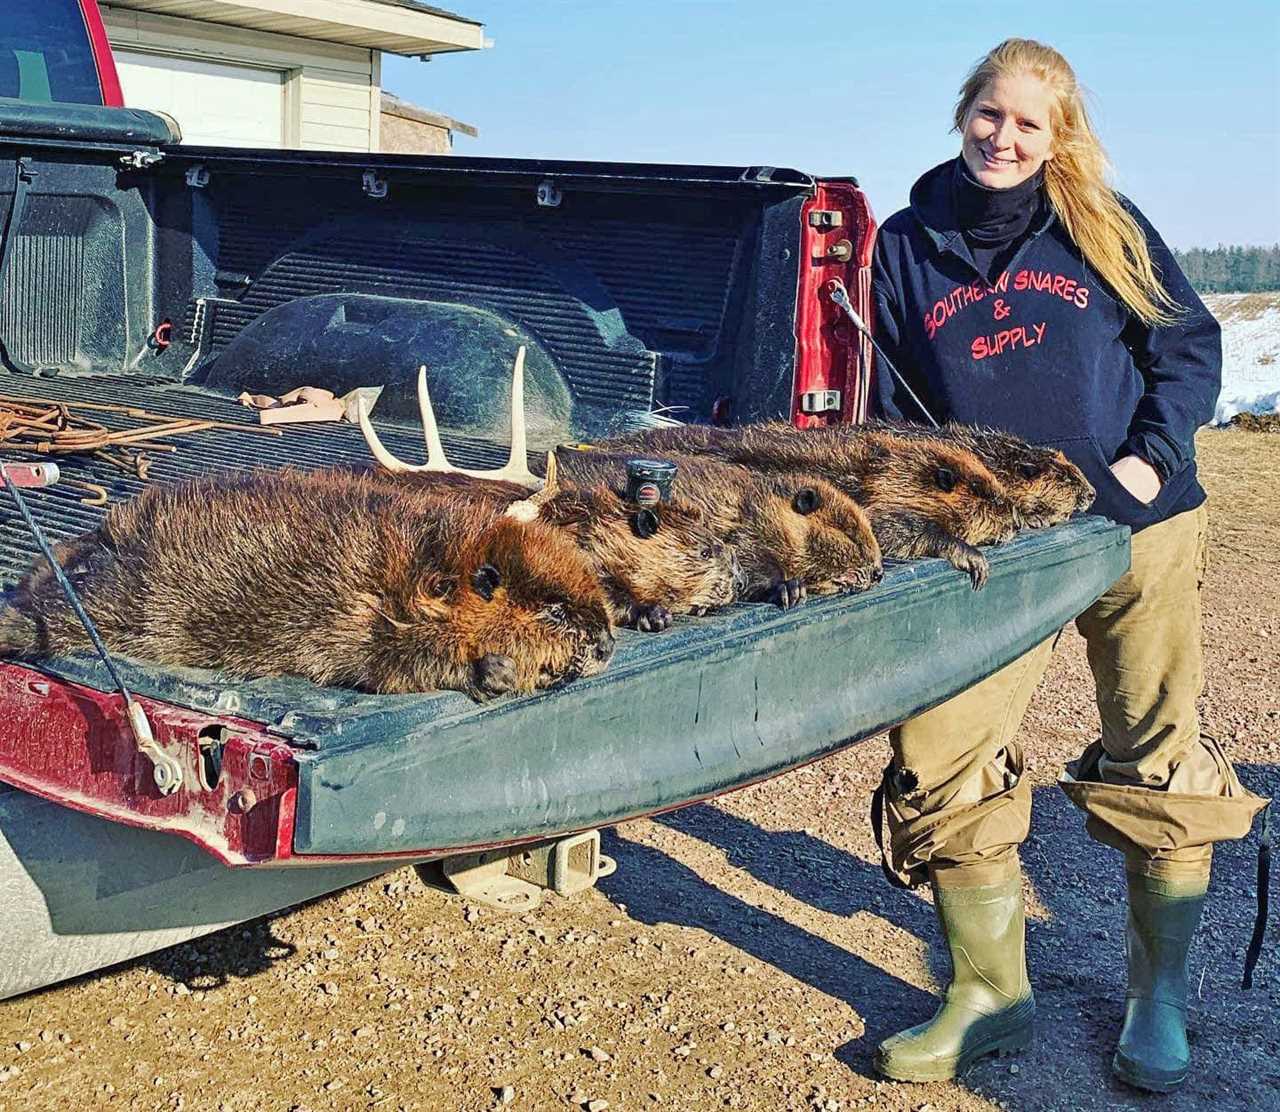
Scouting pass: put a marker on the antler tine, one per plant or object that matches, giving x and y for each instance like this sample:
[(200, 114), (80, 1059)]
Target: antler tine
[(436, 459), (380, 453), (519, 449), (517, 467), (551, 484)]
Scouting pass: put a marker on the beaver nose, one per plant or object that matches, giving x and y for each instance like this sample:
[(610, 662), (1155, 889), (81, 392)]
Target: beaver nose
[(604, 646), (877, 573)]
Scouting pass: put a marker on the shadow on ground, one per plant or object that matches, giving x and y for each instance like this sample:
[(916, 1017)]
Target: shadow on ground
[(657, 889), (234, 953), (1075, 952)]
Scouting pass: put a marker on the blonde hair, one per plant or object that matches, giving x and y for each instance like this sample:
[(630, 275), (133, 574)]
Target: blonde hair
[(1075, 178)]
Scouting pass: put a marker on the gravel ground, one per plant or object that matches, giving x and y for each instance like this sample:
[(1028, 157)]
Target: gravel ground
[(746, 954)]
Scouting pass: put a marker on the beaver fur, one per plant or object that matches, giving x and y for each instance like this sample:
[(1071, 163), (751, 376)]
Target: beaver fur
[(792, 533), (1046, 487), (925, 496), (328, 576), (648, 575)]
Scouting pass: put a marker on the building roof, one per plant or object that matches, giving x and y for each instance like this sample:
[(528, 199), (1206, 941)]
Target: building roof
[(396, 26), (431, 9), (394, 106)]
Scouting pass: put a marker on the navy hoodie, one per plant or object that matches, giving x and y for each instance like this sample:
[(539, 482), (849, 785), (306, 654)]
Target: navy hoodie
[(1046, 351)]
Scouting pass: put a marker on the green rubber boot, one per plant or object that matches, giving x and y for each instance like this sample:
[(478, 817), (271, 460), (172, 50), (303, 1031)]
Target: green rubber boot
[(1163, 915), (988, 1007)]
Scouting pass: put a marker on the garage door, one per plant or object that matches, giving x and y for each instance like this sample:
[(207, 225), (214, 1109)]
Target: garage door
[(216, 103)]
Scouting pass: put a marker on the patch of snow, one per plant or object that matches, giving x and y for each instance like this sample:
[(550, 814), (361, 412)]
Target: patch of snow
[(1250, 353)]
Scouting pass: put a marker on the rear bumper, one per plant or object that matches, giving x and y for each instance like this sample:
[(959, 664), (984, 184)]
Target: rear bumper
[(713, 705)]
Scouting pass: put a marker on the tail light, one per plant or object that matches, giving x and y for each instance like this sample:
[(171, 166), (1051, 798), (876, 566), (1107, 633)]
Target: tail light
[(833, 361)]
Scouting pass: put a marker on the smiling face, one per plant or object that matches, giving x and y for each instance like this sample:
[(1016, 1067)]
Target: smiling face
[(1007, 134)]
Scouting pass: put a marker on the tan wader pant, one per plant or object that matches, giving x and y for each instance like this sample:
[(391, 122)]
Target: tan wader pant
[(1153, 787)]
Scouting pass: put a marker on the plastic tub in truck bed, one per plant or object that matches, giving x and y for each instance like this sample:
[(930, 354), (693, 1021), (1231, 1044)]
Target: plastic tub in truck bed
[(713, 704)]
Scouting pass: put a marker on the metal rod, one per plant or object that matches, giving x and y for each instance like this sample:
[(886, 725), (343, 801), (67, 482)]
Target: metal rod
[(72, 598), (165, 771), (841, 297), (28, 402), (19, 400)]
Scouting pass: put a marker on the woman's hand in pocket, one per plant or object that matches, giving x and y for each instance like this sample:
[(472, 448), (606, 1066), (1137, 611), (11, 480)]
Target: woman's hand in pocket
[(1138, 477)]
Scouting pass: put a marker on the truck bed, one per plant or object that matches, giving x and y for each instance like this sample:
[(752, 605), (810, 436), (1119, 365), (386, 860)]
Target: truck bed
[(714, 703), (168, 277)]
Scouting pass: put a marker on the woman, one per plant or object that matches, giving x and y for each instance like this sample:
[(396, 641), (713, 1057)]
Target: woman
[(1019, 291)]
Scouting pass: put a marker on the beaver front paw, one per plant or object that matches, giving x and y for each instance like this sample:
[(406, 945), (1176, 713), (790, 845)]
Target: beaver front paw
[(495, 675), (788, 593), (651, 618), (969, 559)]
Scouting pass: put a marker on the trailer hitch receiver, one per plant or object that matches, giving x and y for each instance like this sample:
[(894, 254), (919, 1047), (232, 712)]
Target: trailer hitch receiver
[(513, 878)]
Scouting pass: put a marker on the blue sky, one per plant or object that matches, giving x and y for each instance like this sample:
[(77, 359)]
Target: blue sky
[(1186, 95)]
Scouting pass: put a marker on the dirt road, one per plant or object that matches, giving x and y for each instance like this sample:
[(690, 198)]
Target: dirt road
[(747, 953)]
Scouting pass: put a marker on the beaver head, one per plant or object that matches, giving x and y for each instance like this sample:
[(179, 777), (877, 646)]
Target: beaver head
[(1045, 486), (513, 604), (665, 555), (817, 532), (940, 480)]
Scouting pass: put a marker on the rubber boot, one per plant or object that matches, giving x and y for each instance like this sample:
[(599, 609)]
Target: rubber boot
[(988, 1007), (1163, 915)]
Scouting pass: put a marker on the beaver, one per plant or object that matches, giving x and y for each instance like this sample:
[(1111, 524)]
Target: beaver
[(648, 573), (327, 576), (792, 533), (1046, 487), (652, 564), (925, 496)]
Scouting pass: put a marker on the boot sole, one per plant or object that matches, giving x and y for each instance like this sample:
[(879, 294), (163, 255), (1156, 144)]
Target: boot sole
[(945, 1069), (1140, 1077)]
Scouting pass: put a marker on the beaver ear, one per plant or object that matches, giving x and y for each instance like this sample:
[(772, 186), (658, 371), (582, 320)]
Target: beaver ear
[(430, 603), (486, 579), (644, 524), (945, 478), (806, 500), (1028, 469)]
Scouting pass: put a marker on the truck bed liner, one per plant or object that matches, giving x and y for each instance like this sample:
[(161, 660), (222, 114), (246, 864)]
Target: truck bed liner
[(60, 512)]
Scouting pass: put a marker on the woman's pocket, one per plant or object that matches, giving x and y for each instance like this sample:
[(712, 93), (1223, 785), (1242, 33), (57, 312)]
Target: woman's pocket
[(1113, 498), (1136, 511)]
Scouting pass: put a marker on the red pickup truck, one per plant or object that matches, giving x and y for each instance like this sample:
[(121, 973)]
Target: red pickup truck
[(141, 274)]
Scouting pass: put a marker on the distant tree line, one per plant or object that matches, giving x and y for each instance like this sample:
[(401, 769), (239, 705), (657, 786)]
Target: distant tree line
[(1231, 269)]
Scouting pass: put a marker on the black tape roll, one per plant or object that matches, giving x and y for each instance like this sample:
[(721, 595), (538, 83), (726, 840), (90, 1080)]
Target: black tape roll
[(649, 481)]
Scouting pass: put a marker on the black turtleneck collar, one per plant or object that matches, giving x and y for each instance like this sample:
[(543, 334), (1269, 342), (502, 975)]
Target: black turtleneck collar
[(994, 218)]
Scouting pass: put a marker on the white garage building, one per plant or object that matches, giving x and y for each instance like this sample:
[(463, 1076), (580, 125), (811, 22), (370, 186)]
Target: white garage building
[(273, 73)]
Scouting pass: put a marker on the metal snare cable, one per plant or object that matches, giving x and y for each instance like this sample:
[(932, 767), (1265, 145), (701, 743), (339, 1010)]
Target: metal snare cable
[(166, 772), (837, 292)]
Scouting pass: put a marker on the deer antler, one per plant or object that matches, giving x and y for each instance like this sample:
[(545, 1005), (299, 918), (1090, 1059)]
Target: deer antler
[(517, 466), (526, 509)]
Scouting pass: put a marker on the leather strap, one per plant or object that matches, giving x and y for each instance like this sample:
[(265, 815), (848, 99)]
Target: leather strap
[(1264, 900), (877, 826)]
